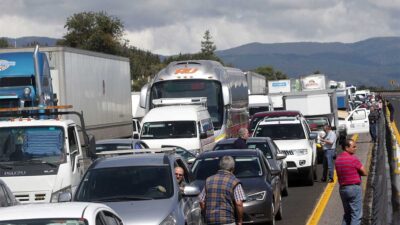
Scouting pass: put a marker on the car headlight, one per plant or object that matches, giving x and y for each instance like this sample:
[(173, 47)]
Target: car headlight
[(301, 151), (54, 195), (259, 196), (169, 220)]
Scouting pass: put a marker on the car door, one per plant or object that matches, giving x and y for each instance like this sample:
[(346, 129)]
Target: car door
[(75, 155), (357, 122), (189, 205)]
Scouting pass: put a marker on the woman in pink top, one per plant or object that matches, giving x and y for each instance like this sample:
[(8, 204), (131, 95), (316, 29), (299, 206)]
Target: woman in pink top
[(349, 170)]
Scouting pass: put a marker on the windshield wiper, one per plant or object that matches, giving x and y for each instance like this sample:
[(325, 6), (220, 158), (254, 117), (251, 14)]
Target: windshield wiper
[(42, 162), (121, 198), (5, 167)]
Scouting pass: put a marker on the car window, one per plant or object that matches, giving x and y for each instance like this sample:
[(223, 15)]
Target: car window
[(180, 163), (245, 166), (281, 131), (264, 147), (128, 183)]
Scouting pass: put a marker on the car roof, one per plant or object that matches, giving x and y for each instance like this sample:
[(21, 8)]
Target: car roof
[(117, 141), (142, 159), (231, 152), (50, 210), (278, 113), (249, 140)]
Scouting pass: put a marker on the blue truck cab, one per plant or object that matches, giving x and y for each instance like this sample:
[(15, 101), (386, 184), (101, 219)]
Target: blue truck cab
[(20, 84)]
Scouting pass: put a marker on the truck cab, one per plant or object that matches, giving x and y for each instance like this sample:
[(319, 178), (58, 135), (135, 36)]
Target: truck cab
[(39, 159), (354, 123)]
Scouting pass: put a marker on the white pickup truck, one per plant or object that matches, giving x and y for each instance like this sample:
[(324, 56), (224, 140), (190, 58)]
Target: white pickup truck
[(355, 122)]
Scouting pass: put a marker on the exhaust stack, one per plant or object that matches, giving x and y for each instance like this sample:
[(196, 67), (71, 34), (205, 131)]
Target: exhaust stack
[(39, 93)]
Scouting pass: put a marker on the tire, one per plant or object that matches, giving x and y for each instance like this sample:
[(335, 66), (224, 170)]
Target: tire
[(310, 177), (279, 214), (285, 190)]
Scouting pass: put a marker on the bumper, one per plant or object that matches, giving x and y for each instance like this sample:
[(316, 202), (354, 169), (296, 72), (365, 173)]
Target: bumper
[(257, 211), (299, 171)]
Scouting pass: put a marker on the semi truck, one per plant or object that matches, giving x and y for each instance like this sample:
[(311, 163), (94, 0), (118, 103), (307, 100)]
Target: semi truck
[(256, 83), (96, 84)]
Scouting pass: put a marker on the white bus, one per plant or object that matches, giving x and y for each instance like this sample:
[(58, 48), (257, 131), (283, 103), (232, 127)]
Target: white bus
[(225, 89)]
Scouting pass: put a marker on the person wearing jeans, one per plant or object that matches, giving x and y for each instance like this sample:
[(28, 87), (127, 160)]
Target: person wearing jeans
[(329, 148), (349, 170)]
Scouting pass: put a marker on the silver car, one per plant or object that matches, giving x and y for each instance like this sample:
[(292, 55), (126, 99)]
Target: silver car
[(142, 189)]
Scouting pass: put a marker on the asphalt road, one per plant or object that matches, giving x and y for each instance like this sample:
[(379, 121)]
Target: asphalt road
[(300, 203)]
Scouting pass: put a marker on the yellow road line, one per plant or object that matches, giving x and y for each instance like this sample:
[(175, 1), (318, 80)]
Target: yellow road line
[(324, 199)]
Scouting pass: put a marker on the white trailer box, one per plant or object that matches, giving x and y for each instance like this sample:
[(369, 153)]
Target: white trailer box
[(256, 83), (95, 83), (314, 82), (278, 86), (277, 101)]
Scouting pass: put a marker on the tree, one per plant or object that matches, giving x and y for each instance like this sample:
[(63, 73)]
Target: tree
[(4, 43), (270, 73), (207, 46), (94, 31)]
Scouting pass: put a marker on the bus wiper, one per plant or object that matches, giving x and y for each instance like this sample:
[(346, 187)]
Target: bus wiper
[(5, 167), (121, 198), (42, 162)]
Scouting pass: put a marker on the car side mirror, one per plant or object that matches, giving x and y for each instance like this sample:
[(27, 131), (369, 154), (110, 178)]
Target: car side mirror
[(313, 136), (350, 118), (65, 197), (203, 135), (280, 156), (191, 191), (275, 172), (92, 147), (136, 136)]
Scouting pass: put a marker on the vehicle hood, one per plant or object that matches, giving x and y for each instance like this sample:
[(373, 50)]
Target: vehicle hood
[(250, 185), (143, 212), (187, 143), (292, 144)]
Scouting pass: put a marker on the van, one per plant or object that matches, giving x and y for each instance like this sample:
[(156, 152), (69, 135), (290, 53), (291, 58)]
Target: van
[(186, 126)]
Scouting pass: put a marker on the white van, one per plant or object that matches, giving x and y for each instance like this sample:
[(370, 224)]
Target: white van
[(186, 126)]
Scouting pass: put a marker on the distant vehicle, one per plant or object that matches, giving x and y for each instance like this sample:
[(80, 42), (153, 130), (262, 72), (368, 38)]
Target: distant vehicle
[(79, 213), (259, 103), (225, 89), (6, 196), (261, 115), (293, 137), (260, 182), (355, 123), (271, 152), (120, 144), (256, 83), (142, 188)]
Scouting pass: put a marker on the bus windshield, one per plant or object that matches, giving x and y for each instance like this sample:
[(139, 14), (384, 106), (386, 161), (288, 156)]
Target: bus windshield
[(41, 144), (193, 88)]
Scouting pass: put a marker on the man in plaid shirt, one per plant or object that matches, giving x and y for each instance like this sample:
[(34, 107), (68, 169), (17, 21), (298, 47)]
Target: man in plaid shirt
[(223, 196)]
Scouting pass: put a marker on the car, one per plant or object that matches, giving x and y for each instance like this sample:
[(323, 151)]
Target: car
[(6, 196), (79, 213), (260, 182), (142, 188), (119, 144), (271, 152), (294, 138), (257, 117)]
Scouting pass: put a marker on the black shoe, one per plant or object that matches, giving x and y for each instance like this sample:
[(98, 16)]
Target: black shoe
[(330, 180), (323, 180)]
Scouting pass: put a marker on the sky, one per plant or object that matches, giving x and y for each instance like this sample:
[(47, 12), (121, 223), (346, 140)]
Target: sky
[(171, 27)]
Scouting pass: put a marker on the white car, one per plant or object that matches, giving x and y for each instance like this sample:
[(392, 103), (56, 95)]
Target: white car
[(293, 137), (71, 213)]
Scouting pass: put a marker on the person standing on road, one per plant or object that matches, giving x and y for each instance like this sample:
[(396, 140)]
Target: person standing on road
[(222, 196), (391, 111), (373, 118), (329, 148), (240, 143), (349, 170)]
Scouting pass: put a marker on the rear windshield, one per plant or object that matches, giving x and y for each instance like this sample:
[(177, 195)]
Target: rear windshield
[(264, 147), (245, 166), (280, 131)]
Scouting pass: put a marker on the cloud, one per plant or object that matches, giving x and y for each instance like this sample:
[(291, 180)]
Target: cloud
[(177, 26)]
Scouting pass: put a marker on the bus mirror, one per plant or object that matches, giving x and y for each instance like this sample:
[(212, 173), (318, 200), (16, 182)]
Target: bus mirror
[(226, 95), (143, 95), (92, 147)]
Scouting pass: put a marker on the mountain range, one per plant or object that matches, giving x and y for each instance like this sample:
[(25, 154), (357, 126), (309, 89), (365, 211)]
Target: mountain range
[(371, 62)]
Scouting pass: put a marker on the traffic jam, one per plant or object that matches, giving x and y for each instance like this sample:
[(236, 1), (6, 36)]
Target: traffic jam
[(201, 143)]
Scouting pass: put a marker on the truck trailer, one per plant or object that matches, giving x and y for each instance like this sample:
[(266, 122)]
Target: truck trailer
[(256, 83), (96, 84)]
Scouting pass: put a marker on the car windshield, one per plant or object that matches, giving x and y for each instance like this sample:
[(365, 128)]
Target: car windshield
[(22, 144), (112, 147), (131, 183), (47, 221), (245, 167), (258, 145), (169, 129), (281, 131)]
